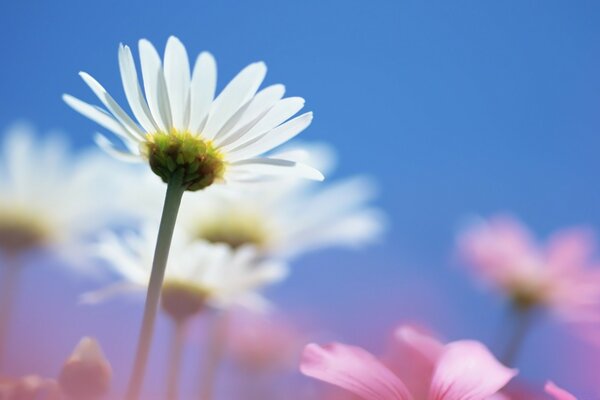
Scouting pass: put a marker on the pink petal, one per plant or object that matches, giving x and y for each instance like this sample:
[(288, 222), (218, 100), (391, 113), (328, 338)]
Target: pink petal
[(467, 370), (558, 393), (499, 250), (353, 369), (412, 357), (571, 249)]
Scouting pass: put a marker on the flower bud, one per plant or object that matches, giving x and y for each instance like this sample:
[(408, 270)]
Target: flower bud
[(87, 373)]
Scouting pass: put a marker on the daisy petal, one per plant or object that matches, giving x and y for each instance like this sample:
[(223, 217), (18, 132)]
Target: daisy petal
[(177, 78), (132, 89), (275, 166), (109, 148), (132, 129), (235, 95), (272, 139), (202, 93), (154, 85), (280, 113), (258, 106), (353, 369), (97, 115), (108, 292)]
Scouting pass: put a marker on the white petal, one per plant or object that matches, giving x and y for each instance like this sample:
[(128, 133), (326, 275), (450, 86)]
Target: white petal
[(132, 129), (274, 166), (204, 84), (97, 115), (177, 78), (108, 292), (257, 108), (235, 95), (154, 85), (277, 115), (110, 149), (271, 139), (132, 89)]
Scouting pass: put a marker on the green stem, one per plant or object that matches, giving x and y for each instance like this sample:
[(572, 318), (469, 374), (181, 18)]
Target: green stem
[(215, 349), (175, 357), (522, 321), (173, 197)]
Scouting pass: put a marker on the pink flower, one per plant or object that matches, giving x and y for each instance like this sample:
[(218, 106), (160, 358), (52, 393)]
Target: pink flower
[(558, 393), (462, 370), (264, 342), (557, 275)]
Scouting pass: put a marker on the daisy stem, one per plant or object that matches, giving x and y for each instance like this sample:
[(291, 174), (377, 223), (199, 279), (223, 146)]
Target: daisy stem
[(173, 197), (175, 358), (214, 354), (8, 293), (521, 320)]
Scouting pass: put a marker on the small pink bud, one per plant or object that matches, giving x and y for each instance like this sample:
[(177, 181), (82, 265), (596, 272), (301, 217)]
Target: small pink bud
[(87, 373)]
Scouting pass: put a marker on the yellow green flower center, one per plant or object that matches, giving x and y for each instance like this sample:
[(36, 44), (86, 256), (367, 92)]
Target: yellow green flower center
[(235, 229), (200, 163), (181, 300), (20, 232)]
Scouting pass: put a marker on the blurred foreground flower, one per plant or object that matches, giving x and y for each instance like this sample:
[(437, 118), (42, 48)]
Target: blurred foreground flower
[(561, 277), (456, 371)]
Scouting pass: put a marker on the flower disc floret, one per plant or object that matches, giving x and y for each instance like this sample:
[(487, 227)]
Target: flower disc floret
[(197, 160)]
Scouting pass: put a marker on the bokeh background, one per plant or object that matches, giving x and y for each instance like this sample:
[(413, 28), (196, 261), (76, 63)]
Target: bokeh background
[(456, 108)]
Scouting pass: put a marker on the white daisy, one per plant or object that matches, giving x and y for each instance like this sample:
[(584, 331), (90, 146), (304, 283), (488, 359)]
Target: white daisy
[(198, 272), (50, 198), (181, 125)]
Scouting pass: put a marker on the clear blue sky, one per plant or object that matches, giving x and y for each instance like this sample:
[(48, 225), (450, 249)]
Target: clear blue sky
[(456, 107)]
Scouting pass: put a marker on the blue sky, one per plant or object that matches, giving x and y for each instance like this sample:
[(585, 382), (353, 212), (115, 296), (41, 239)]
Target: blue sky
[(456, 108)]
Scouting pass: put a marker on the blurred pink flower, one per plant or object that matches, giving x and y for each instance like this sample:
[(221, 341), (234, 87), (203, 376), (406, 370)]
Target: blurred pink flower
[(558, 393), (455, 371), (259, 342), (559, 275), (30, 387)]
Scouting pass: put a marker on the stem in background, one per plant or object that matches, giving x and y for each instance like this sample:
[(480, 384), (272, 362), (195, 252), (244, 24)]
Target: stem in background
[(522, 320), (8, 293), (214, 354), (175, 358), (173, 197)]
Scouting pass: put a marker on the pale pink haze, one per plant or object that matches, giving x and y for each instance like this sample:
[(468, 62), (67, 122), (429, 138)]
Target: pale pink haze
[(264, 342), (461, 370), (561, 274), (558, 393)]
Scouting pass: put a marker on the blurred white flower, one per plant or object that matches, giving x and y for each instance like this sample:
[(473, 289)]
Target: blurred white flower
[(219, 275), (51, 198), (221, 138)]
